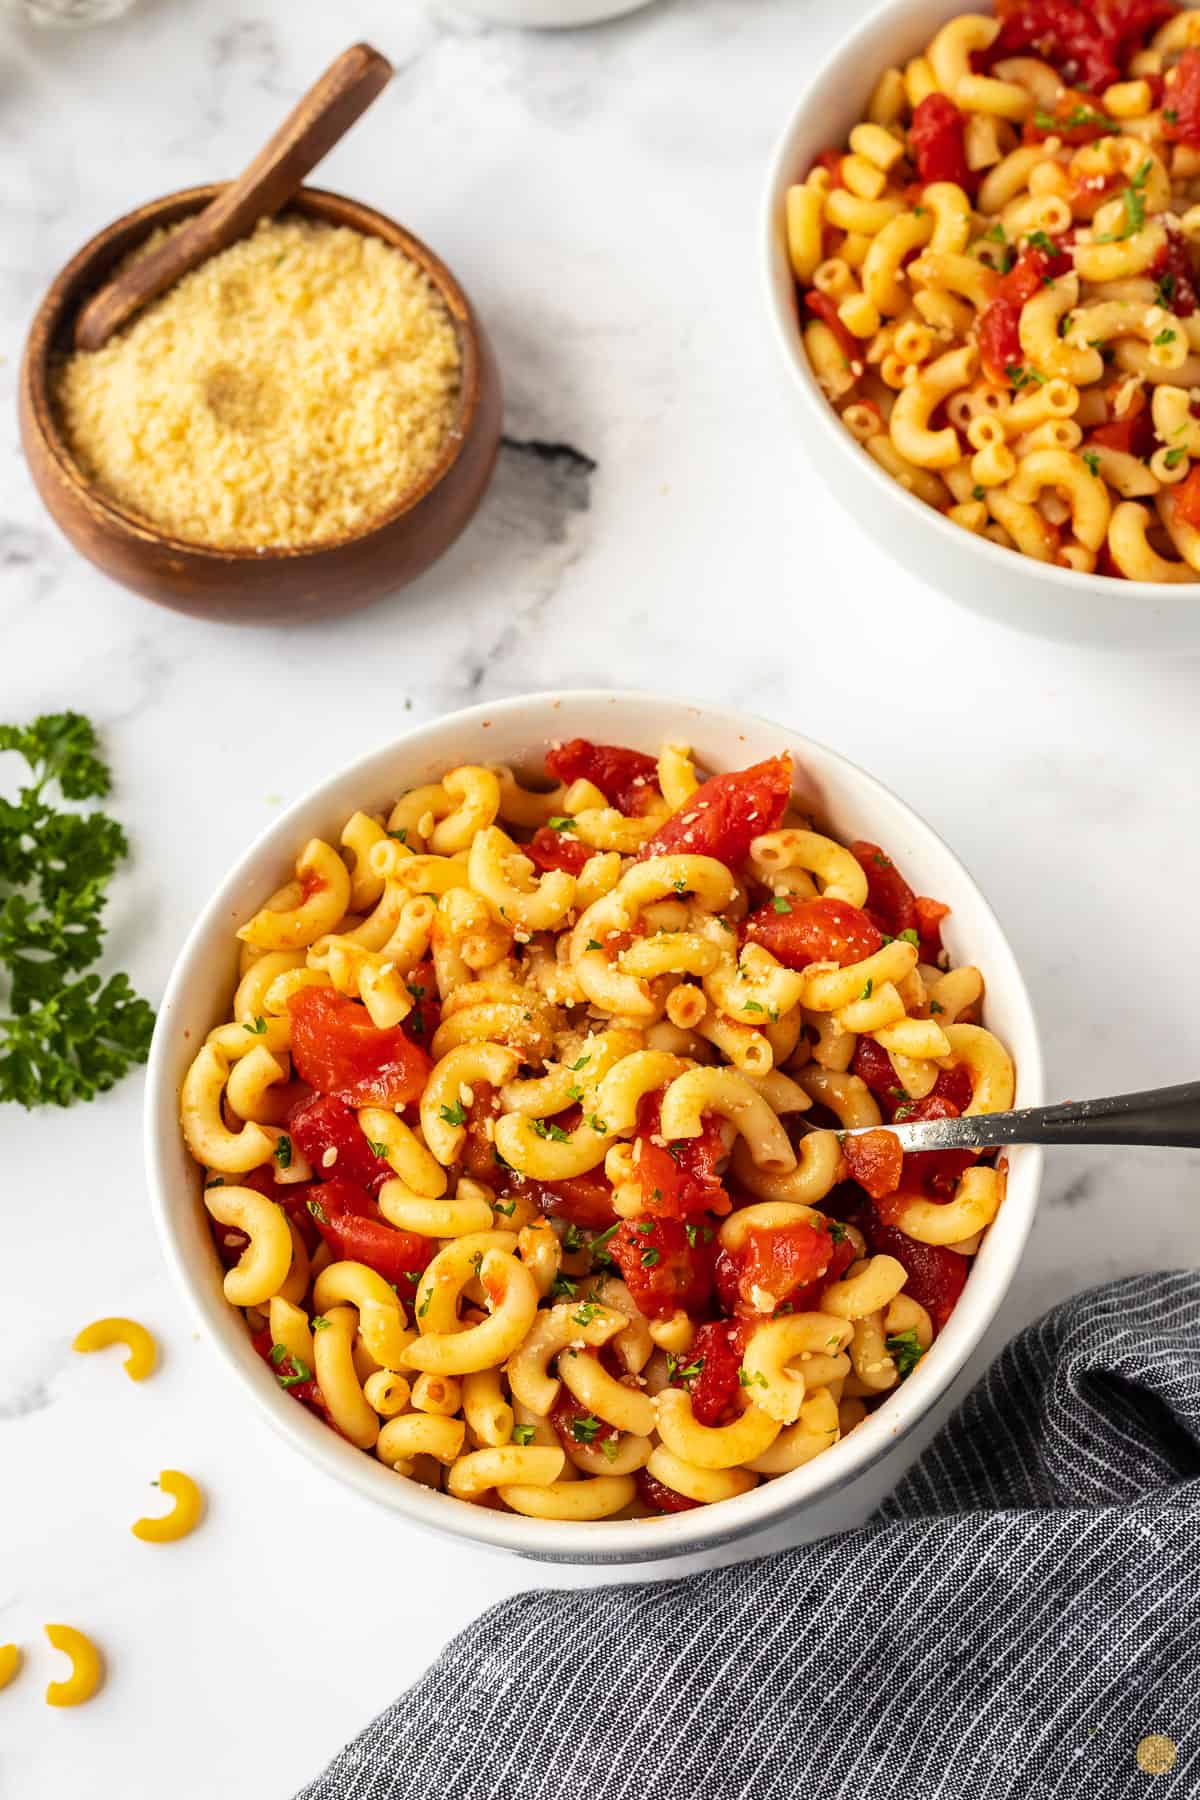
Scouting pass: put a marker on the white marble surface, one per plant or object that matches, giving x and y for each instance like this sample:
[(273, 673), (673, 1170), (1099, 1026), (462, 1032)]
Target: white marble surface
[(598, 193)]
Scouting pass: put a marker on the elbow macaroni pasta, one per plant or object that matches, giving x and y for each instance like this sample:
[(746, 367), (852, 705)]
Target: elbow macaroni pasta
[(998, 282), (521, 1153)]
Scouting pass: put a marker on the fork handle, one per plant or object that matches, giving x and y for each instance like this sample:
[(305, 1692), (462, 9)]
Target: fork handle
[(1165, 1116)]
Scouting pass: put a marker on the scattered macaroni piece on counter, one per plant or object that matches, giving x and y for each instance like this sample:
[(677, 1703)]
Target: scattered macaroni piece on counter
[(563, 1222), (184, 1516), (10, 1663), (87, 1670), (143, 1351)]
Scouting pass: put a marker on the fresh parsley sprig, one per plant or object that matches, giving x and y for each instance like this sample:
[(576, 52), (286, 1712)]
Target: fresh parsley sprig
[(65, 1035)]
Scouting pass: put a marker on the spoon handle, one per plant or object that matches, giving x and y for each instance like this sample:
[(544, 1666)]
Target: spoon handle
[(320, 117), (1167, 1116)]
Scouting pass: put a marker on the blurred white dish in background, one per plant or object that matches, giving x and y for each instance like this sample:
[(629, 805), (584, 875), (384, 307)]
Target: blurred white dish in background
[(549, 14), (66, 13)]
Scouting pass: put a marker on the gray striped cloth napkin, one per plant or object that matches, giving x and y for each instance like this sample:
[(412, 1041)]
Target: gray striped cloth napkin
[(1021, 1621)]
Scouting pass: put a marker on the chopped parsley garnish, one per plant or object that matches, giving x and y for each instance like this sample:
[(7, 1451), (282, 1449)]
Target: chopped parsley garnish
[(1092, 462), (599, 1126), (283, 1151), (586, 1313), (781, 904), (680, 886), (593, 945), (505, 1207), (375, 1148), (837, 1230), (1166, 336), (321, 1323), (572, 1238), (546, 1128), (935, 1006), (1173, 458), (1021, 375), (869, 989), (453, 1115), (1170, 115), (562, 822), (586, 1428), (300, 1369), (996, 234), (651, 1257), (400, 836), (1079, 115), (1134, 202), (609, 1448), (905, 1351), (752, 1006), (563, 1288), (1164, 288), (909, 936), (978, 493), (257, 1027), (1038, 240), (215, 1181), (523, 1434), (745, 1379), (689, 1373), (598, 1248), (318, 1212), (582, 1063)]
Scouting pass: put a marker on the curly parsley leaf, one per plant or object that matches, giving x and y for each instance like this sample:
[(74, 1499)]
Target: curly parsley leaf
[(66, 1035)]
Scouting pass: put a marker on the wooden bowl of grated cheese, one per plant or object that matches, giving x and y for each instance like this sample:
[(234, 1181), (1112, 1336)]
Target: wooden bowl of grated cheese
[(299, 426)]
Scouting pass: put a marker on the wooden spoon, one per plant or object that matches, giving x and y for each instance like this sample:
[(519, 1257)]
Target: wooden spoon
[(322, 116)]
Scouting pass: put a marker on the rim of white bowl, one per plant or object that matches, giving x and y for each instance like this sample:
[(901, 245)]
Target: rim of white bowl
[(855, 48), (604, 1541)]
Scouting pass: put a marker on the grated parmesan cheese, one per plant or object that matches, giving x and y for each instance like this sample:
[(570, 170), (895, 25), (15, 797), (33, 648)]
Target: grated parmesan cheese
[(288, 391)]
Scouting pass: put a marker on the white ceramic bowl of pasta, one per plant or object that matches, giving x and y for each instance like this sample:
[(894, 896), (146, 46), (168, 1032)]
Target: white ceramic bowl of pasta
[(1015, 589), (852, 804)]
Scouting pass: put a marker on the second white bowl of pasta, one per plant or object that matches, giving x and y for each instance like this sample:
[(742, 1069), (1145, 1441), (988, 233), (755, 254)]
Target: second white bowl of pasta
[(1033, 458), (493, 1124)]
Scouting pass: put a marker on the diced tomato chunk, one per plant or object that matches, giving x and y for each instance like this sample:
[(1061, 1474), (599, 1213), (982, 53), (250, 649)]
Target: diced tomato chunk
[(1173, 268), (726, 813), (1133, 433), (662, 1498), (873, 1065), (349, 1221), (661, 1267), (1186, 498), (935, 1173), (808, 1298), (955, 1085), (575, 1425), (891, 903), (936, 1276), (930, 914), (709, 1370), (337, 1050), (999, 337), (823, 308), (583, 1200), (772, 1264), (551, 849), (1085, 40), (1181, 102), (679, 1178), (324, 1124), (628, 779), (1033, 268), (800, 932), (875, 1161), (935, 138)]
